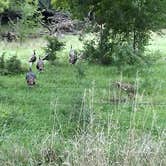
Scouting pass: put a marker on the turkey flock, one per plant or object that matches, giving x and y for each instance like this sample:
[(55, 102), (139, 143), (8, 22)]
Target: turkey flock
[(31, 76), (73, 58)]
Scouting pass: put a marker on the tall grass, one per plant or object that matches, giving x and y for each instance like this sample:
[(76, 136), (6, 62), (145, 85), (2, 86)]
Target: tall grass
[(95, 144), (70, 118)]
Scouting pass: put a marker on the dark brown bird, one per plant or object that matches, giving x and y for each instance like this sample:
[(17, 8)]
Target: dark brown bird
[(72, 56), (33, 57), (40, 65), (30, 78), (73, 59), (128, 88)]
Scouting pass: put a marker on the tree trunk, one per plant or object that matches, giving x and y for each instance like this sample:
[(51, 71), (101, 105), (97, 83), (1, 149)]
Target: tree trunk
[(134, 40), (101, 34), (0, 20)]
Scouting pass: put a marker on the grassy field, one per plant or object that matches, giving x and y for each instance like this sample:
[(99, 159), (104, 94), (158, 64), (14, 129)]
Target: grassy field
[(68, 118)]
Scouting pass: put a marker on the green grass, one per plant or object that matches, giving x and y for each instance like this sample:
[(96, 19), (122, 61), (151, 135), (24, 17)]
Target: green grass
[(55, 104), (25, 49), (158, 43)]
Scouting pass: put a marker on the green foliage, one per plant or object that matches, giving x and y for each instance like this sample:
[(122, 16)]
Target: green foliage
[(44, 4), (121, 22), (91, 52), (124, 54), (97, 52), (3, 5), (11, 118), (80, 70), (62, 4), (118, 54), (13, 65), (16, 5), (29, 22), (3, 70), (2, 61), (53, 45)]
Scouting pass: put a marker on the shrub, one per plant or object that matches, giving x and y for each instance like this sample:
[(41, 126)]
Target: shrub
[(3, 71), (119, 53), (2, 61), (90, 51), (124, 54), (29, 22), (13, 66), (53, 45)]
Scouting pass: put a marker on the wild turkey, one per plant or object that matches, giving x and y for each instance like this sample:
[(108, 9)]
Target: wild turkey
[(47, 56), (30, 78), (72, 56), (40, 65), (73, 59), (11, 36), (128, 88), (33, 57)]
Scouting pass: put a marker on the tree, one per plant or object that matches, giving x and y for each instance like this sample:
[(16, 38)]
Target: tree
[(119, 22), (53, 45)]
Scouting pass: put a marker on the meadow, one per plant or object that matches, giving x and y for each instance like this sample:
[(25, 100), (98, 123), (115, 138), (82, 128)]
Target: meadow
[(71, 117)]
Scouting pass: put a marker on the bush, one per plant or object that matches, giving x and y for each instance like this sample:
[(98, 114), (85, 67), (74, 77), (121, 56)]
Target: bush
[(3, 71), (119, 53), (13, 65), (98, 52), (53, 45), (124, 54), (2, 61), (29, 23)]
